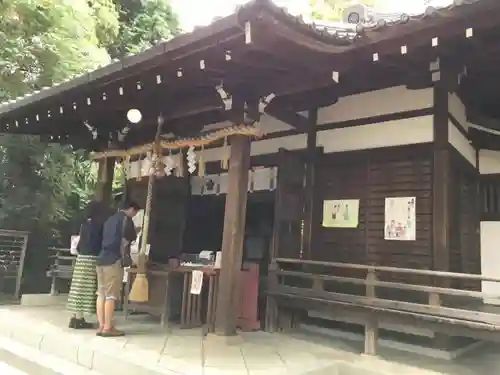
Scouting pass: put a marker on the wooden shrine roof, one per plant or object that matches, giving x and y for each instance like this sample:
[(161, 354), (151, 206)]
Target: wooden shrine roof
[(260, 47)]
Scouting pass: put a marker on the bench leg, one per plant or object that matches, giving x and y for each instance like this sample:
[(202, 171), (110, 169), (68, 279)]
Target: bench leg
[(271, 315), (371, 336), (53, 287)]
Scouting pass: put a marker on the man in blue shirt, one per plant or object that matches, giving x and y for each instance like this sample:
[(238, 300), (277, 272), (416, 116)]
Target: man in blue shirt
[(118, 233)]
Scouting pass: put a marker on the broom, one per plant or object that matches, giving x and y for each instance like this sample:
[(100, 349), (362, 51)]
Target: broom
[(140, 287)]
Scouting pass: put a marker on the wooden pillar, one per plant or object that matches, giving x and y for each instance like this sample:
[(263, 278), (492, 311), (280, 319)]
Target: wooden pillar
[(105, 177), (232, 238), (446, 82), (311, 158)]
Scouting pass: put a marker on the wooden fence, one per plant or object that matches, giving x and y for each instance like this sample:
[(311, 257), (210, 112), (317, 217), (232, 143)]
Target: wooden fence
[(296, 283)]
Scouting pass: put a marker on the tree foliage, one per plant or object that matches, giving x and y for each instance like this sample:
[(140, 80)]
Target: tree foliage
[(44, 42), (143, 23)]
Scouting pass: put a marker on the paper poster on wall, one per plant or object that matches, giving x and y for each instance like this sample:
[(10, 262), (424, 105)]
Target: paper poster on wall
[(341, 213), (400, 219)]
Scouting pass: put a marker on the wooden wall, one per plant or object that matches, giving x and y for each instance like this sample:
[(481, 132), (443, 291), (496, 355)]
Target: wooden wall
[(465, 253), (371, 176), (168, 214)]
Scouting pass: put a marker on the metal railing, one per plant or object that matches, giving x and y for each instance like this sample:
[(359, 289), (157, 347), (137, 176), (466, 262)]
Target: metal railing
[(13, 246)]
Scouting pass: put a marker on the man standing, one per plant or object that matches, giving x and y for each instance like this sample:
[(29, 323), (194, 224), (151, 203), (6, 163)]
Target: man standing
[(118, 234)]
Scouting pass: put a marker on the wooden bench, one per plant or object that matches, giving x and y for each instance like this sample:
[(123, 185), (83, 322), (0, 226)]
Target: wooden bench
[(287, 300), (61, 269)]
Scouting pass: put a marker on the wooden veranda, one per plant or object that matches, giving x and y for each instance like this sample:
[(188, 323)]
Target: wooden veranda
[(261, 61)]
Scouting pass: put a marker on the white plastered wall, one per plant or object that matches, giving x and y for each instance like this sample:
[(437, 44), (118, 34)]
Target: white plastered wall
[(489, 163), (455, 135), (364, 106)]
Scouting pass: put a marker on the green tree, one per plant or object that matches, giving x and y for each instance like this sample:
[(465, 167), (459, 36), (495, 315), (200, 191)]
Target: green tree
[(43, 42), (143, 23)]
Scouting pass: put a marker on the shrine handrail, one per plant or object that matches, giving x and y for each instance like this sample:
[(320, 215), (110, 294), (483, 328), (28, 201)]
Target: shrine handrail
[(421, 272), (290, 290)]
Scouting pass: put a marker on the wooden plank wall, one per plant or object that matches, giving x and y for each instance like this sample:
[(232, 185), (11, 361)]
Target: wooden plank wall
[(371, 176), (465, 252), (168, 214)]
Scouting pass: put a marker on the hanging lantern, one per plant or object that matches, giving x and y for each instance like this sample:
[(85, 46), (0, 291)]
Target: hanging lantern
[(134, 116)]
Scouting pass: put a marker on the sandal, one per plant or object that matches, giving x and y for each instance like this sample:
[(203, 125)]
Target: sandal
[(113, 332)]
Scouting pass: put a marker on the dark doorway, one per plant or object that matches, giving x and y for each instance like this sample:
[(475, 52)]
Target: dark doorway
[(205, 226)]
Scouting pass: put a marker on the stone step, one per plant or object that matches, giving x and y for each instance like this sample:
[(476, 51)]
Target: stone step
[(101, 355)]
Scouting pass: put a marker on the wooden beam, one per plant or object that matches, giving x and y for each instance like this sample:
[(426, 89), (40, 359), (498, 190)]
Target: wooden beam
[(311, 158), (296, 120), (484, 140), (105, 183), (232, 238)]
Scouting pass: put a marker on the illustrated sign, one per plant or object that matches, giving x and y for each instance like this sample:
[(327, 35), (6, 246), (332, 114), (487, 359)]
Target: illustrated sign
[(341, 213), (400, 219)]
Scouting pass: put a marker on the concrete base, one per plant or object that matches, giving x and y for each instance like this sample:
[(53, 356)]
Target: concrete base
[(214, 339), (447, 355), (43, 300), (149, 350)]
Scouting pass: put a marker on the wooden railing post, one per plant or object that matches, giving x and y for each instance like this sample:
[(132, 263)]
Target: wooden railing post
[(318, 284), (371, 325), (55, 267), (371, 278), (376, 307), (434, 299), (271, 305)]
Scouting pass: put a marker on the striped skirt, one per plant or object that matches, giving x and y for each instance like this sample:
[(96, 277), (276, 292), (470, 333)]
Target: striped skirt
[(82, 294)]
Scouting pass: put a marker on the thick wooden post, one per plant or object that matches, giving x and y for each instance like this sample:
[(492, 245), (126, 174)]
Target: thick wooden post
[(441, 184), (311, 156), (105, 180), (441, 176), (232, 238)]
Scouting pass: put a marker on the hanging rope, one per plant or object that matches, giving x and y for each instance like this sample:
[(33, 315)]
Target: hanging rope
[(203, 140), (149, 196), (140, 288)]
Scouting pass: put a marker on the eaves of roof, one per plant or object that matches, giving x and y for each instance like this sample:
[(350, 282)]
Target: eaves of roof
[(341, 34)]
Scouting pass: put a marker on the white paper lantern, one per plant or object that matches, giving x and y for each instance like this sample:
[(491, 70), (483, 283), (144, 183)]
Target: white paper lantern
[(134, 116)]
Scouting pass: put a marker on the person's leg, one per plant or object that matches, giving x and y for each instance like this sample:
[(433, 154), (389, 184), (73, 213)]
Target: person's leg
[(114, 276), (101, 311), (101, 295), (109, 313)]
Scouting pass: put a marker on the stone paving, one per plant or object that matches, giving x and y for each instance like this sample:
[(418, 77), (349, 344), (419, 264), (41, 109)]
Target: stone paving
[(147, 349)]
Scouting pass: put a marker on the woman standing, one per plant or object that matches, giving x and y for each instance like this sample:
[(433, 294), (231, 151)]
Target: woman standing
[(81, 299)]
